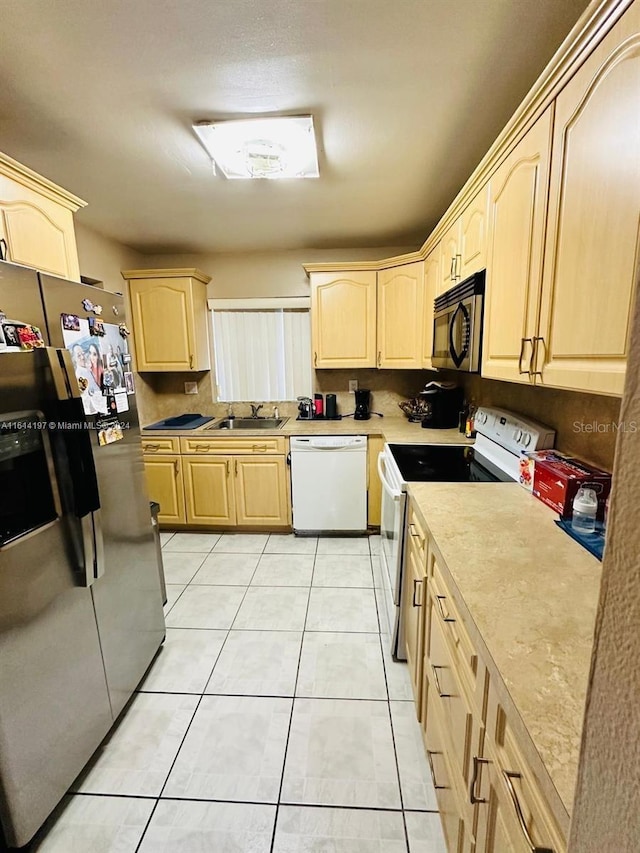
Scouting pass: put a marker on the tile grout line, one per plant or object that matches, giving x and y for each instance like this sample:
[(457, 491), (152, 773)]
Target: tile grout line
[(293, 702)]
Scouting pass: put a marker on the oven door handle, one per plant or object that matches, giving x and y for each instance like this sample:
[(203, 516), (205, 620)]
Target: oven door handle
[(393, 493)]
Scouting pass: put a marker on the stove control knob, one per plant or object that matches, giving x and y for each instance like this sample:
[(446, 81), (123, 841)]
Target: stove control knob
[(526, 439), (481, 417), (518, 435)]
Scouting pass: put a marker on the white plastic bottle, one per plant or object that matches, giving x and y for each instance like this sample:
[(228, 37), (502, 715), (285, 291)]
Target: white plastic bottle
[(585, 507)]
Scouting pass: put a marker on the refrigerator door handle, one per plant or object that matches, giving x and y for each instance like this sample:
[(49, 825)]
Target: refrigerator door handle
[(88, 568), (99, 544), (61, 366)]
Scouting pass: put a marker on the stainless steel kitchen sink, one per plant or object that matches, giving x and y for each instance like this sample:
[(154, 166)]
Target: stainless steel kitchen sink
[(249, 423)]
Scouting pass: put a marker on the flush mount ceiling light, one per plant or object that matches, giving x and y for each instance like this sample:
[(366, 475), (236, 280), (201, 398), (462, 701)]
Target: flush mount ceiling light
[(278, 147)]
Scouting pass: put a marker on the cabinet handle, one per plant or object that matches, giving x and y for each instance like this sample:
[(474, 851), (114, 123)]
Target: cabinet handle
[(452, 272), (415, 534), (228, 468), (509, 776), (176, 467), (259, 448), (445, 618), (413, 600), (190, 362), (534, 357), (4, 251), (236, 467), (437, 681), (315, 359), (473, 799), (379, 358), (521, 356), (202, 448), (152, 448), (432, 771)]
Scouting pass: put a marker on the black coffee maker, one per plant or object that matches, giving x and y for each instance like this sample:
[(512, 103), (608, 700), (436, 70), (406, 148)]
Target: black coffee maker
[(363, 403)]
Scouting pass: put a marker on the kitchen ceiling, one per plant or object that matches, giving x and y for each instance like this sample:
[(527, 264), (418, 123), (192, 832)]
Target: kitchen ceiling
[(100, 95)]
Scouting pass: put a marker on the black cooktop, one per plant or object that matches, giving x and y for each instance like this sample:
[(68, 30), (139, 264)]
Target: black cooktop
[(445, 463)]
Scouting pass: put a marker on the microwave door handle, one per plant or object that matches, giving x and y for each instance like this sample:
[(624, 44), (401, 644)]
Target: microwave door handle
[(393, 493)]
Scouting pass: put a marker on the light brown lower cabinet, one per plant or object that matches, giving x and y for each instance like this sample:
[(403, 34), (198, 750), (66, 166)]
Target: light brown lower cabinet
[(166, 486), (488, 796), (202, 487)]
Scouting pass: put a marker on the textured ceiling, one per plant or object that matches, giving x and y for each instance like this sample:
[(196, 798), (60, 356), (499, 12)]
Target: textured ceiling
[(100, 95)]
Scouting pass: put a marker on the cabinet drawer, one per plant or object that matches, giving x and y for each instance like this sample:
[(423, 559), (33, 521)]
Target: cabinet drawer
[(517, 785), (160, 445), (417, 534), (467, 660), (248, 444), (440, 669)]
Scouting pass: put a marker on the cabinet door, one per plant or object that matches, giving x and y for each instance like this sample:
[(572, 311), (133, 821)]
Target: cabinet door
[(209, 490), (262, 497), (343, 319), (473, 235), (414, 586), (593, 241), (38, 233), (165, 485), (162, 312), (431, 289), (450, 245), (496, 830), (400, 316), (518, 193)]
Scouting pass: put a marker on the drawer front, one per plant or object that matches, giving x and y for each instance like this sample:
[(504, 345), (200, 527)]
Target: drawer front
[(467, 660), (417, 534), (228, 445), (516, 783), (454, 705), (160, 445)]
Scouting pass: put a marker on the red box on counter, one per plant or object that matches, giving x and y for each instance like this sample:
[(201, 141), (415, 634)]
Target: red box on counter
[(557, 478)]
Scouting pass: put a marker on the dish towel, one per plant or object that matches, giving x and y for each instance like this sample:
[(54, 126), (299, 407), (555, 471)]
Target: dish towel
[(593, 542)]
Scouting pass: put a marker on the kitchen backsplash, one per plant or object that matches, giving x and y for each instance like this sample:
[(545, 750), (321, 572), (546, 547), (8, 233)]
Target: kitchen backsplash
[(585, 423)]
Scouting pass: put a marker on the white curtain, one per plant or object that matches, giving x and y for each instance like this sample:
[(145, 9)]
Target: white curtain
[(262, 355)]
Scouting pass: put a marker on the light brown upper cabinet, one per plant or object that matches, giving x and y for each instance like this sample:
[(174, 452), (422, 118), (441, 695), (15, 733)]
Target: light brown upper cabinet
[(431, 289), (593, 241), (464, 245), (400, 316), (518, 192), (343, 318), (170, 319), (36, 221)]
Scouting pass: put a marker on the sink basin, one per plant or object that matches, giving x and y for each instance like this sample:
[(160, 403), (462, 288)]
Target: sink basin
[(249, 423)]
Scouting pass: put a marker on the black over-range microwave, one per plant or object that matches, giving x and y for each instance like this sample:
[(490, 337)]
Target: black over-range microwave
[(457, 325)]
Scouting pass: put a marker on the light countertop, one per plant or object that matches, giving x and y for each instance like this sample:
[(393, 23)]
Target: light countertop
[(530, 593), (396, 430)]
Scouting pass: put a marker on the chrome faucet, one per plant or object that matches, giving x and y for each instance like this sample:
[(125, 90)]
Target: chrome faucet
[(255, 410)]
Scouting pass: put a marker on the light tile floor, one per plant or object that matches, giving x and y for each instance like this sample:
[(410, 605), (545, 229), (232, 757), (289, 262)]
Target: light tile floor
[(272, 721)]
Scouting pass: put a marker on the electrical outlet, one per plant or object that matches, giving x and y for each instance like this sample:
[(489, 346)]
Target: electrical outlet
[(190, 387), (353, 385)]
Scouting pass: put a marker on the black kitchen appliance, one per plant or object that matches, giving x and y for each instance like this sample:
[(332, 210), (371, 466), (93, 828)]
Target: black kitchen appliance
[(363, 404), (443, 402), (331, 408)]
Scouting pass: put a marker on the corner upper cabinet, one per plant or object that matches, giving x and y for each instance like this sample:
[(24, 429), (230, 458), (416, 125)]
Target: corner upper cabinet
[(431, 290), (518, 192), (400, 316), (170, 319), (343, 318), (593, 241), (464, 245), (36, 221)]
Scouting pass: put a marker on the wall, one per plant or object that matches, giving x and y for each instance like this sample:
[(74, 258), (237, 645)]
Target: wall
[(585, 423), (606, 814), (253, 274), (102, 259)]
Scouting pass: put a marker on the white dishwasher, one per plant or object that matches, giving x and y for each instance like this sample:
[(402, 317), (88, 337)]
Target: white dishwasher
[(329, 483)]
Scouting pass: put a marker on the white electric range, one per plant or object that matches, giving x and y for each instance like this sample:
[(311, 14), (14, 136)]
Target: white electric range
[(494, 457)]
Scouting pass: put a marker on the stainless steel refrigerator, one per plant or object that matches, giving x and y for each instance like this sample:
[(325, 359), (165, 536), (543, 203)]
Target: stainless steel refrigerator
[(80, 603)]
